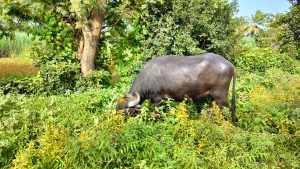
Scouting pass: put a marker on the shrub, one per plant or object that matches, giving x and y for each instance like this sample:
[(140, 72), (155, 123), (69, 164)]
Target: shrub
[(269, 103), (55, 79), (187, 28), (257, 60), (52, 79), (95, 79), (59, 78)]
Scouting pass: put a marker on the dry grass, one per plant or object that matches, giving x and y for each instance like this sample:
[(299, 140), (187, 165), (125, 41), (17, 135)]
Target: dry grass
[(16, 67)]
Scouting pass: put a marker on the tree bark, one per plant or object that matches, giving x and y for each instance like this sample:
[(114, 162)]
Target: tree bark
[(80, 47), (91, 34)]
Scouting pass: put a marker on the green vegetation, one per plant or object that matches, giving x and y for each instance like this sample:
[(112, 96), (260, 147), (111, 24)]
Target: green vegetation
[(256, 59), (52, 117), (18, 47), (82, 131), (15, 54)]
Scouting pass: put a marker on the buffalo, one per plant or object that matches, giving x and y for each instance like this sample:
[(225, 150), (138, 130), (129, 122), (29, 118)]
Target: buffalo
[(193, 77)]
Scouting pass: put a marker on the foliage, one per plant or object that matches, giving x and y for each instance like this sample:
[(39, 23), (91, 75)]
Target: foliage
[(48, 22), (59, 77), (50, 80), (55, 79), (96, 79), (58, 26), (280, 37), (256, 59), (58, 39), (17, 47), (292, 18), (186, 28), (262, 18), (272, 103), (283, 33), (82, 131), (13, 14), (120, 50)]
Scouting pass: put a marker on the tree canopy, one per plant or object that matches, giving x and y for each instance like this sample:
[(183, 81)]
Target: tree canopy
[(161, 26)]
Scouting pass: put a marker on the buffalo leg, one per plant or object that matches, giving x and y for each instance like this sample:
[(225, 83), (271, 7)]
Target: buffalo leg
[(222, 102), (221, 99)]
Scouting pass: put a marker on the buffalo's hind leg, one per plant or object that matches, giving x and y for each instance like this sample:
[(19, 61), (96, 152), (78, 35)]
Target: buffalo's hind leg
[(221, 99)]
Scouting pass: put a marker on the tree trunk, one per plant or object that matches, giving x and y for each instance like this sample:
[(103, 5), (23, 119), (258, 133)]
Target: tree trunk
[(80, 47), (91, 34)]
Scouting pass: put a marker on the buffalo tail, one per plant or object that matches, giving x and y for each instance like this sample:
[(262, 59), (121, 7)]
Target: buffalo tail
[(233, 101)]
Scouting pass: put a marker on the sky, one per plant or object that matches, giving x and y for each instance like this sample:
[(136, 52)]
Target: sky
[(249, 7)]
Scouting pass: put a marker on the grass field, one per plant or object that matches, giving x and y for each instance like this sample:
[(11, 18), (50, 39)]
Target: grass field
[(19, 46), (17, 67)]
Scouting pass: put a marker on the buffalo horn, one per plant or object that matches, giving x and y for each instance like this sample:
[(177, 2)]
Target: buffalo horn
[(135, 100)]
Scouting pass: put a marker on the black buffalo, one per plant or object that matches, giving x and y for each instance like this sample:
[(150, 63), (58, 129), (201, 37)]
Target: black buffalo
[(195, 77)]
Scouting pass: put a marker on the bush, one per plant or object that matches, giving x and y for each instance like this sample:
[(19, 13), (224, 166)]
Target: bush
[(187, 28), (55, 79), (59, 78), (257, 60), (95, 79), (270, 102), (52, 79)]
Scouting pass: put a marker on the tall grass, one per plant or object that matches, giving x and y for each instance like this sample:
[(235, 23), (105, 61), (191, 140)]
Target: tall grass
[(14, 56), (17, 67), (17, 47)]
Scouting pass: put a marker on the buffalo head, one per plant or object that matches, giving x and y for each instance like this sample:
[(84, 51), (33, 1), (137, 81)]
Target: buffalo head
[(129, 101)]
